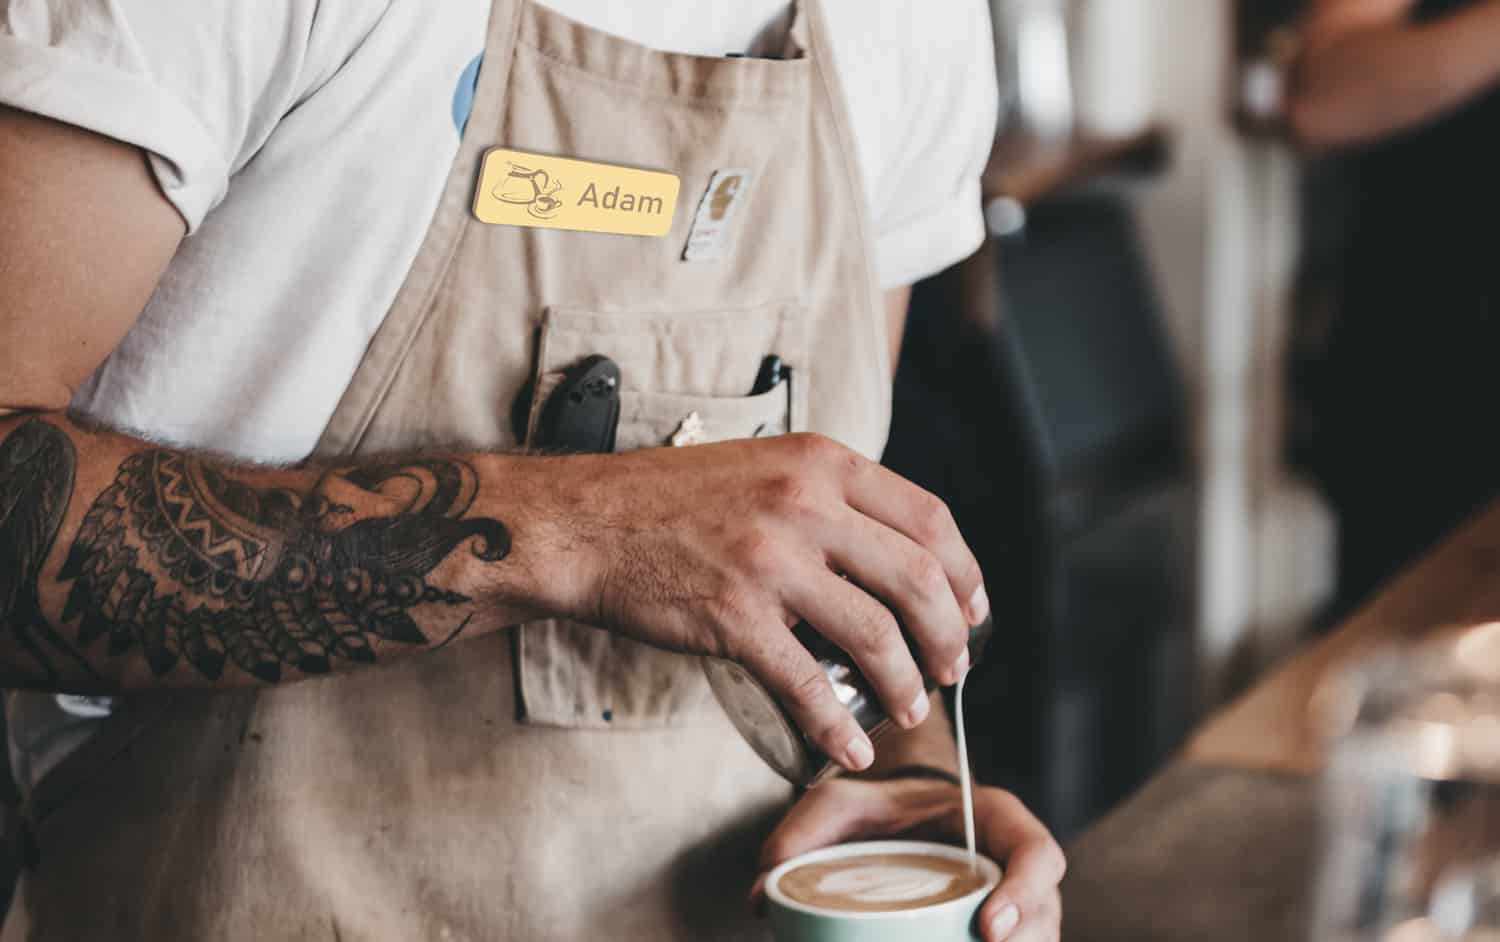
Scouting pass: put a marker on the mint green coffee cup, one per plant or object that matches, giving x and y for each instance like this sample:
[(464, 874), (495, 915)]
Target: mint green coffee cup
[(794, 920)]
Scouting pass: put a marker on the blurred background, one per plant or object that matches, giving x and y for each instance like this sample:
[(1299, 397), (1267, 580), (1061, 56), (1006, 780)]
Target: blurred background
[(1138, 397)]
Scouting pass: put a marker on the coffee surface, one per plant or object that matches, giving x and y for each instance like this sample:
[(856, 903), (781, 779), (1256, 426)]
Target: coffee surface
[(879, 883)]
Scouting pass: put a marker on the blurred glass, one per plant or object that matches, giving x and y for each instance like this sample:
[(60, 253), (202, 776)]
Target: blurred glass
[(1411, 849)]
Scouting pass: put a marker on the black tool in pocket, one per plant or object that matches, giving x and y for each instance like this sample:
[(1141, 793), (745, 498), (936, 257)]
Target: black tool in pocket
[(583, 412)]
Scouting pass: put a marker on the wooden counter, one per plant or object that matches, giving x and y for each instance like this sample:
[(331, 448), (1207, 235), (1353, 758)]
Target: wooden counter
[(1454, 587), (1222, 843)]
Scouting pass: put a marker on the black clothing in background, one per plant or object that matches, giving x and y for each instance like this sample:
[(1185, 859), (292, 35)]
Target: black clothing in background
[(1407, 393)]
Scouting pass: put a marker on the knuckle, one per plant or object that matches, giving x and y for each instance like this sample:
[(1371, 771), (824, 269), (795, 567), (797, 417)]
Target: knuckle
[(879, 632), (826, 456), (808, 691), (731, 611), (850, 461), (1009, 805), (810, 447), (927, 579), (1056, 861), (759, 554), (934, 520), (973, 576), (790, 495)]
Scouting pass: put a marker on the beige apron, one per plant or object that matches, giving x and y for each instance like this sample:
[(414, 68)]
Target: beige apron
[(552, 782)]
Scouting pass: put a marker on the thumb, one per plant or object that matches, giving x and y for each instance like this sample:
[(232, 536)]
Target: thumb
[(844, 810), (828, 814)]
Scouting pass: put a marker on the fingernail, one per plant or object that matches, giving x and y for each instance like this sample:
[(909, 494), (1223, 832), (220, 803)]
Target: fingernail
[(1005, 922), (960, 667), (918, 710), (979, 605), (859, 752)]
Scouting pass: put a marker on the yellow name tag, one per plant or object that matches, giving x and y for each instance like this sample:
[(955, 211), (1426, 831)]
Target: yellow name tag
[(520, 189)]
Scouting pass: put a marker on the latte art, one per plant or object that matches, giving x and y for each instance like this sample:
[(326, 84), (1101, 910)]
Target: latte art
[(884, 883), (880, 882)]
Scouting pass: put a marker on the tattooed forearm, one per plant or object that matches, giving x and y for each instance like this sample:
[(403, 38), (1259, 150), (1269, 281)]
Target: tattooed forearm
[(193, 567), (37, 463), (177, 560)]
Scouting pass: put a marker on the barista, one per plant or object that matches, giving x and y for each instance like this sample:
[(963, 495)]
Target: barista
[(1408, 92), (235, 237)]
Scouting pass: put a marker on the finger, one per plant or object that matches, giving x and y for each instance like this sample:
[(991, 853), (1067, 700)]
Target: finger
[(848, 809), (1034, 864), (1002, 924), (1041, 923), (830, 813), (1030, 932), (850, 618), (1032, 873), (905, 575), (794, 677), (885, 496)]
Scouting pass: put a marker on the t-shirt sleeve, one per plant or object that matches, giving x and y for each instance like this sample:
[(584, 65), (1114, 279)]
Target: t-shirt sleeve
[(197, 84), (942, 112)]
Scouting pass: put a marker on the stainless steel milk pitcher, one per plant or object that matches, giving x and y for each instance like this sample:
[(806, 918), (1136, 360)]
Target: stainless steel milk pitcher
[(758, 716)]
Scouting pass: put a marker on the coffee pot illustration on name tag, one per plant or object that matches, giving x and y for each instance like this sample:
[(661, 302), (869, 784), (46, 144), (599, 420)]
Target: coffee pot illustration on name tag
[(770, 731), (533, 189)]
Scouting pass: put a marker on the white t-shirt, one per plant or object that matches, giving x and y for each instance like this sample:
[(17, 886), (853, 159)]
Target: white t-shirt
[(269, 125)]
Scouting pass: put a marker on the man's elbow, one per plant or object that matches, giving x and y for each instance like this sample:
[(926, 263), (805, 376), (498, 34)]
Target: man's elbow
[(30, 381)]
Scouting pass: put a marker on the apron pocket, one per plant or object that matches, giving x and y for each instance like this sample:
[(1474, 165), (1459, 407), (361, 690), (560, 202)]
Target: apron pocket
[(650, 420), (679, 374)]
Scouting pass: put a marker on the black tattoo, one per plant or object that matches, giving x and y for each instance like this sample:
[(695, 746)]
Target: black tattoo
[(37, 466), (453, 635), (183, 561)]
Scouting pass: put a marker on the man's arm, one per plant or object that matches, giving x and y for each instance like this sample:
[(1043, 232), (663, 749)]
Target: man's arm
[(125, 564), (1367, 70), (897, 302)]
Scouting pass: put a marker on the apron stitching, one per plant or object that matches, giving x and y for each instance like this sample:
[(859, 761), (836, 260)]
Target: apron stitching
[(628, 322), (701, 96)]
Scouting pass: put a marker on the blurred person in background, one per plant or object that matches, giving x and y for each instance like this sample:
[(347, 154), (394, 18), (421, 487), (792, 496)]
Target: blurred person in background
[(1409, 92)]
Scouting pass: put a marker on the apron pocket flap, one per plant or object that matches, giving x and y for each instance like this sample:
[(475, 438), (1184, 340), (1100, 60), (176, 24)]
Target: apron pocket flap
[(692, 353)]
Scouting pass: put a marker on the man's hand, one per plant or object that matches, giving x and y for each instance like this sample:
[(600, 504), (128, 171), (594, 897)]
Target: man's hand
[(1024, 908), (721, 549)]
